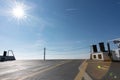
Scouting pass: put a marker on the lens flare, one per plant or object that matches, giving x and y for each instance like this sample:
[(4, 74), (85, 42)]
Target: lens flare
[(98, 67)]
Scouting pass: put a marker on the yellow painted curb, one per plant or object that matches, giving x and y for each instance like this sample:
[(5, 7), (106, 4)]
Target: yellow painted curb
[(82, 69)]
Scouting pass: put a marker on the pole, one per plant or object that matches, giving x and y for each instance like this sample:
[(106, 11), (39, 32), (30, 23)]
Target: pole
[(44, 53), (108, 45)]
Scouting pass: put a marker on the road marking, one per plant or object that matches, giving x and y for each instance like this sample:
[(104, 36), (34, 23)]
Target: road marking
[(87, 77), (82, 69), (100, 62), (44, 70), (12, 70)]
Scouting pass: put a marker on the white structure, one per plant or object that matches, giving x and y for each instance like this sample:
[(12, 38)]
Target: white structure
[(108, 54), (116, 54), (97, 56), (100, 56)]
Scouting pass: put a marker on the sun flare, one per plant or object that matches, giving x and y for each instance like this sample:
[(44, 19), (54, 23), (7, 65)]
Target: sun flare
[(18, 12)]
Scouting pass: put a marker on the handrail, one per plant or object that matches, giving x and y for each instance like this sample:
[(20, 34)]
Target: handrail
[(11, 52)]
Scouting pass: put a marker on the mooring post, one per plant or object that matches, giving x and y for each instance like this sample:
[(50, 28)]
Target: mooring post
[(44, 53)]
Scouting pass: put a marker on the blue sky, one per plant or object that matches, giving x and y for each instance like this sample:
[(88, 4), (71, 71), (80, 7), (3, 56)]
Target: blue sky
[(66, 28)]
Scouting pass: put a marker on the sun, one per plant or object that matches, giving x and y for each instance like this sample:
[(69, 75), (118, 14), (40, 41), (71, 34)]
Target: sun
[(18, 12)]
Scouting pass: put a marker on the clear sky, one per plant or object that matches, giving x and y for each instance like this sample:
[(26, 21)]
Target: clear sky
[(66, 28)]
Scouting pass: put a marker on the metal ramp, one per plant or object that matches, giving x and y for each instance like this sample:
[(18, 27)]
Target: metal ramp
[(6, 56)]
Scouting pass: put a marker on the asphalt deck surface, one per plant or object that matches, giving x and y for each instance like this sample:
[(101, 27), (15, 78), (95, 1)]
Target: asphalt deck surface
[(103, 70), (39, 70)]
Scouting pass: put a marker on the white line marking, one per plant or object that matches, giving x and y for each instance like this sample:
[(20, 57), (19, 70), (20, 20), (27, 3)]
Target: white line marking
[(87, 77)]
